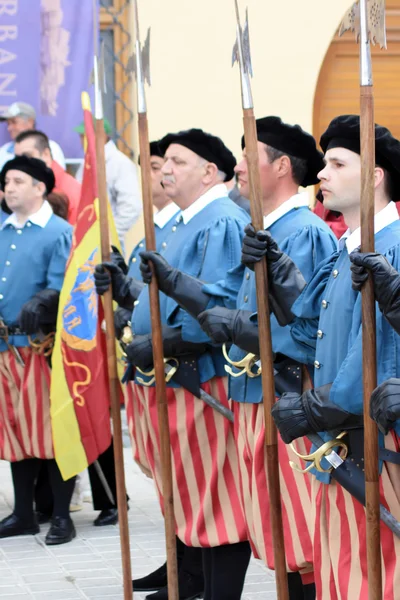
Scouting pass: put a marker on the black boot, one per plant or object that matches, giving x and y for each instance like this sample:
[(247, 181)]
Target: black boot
[(158, 579), (152, 582), (62, 531), (190, 577), (190, 588), (108, 516), (14, 525)]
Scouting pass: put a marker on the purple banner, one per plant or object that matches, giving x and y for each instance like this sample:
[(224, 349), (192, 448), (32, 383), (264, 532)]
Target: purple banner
[(46, 57)]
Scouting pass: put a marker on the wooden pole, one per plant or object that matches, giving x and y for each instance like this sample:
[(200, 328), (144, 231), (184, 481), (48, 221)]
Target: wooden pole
[(371, 442), (112, 367), (158, 359), (267, 375)]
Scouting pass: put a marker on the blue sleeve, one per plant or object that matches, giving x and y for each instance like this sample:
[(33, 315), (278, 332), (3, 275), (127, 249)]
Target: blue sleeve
[(225, 291), (310, 248), (347, 389), (214, 251), (58, 261)]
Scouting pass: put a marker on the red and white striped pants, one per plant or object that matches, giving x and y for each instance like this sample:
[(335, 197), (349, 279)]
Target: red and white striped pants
[(25, 425), (134, 413), (340, 538), (295, 493), (208, 510)]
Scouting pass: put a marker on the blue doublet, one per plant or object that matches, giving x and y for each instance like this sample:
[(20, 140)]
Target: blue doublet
[(32, 258), (307, 240), (328, 328), (162, 233), (206, 247)]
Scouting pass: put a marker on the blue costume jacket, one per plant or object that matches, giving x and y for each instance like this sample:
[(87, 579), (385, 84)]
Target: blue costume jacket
[(307, 240), (32, 258), (206, 247), (328, 328)]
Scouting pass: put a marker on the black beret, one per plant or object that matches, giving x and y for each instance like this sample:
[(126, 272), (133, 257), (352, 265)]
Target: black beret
[(154, 150), (208, 146), (344, 132), (293, 140), (34, 167)]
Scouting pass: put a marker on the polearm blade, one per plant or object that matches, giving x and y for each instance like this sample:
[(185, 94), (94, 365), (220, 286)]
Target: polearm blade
[(367, 20), (142, 70), (109, 318), (242, 55)]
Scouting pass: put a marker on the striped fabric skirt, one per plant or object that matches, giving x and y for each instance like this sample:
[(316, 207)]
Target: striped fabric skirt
[(134, 414), (340, 538), (25, 426), (295, 493), (208, 510)]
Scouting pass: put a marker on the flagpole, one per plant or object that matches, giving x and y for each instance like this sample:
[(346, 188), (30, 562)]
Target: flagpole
[(367, 212), (264, 324), (110, 330), (142, 69), (369, 27)]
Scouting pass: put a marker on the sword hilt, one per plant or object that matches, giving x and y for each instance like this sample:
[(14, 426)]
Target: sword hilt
[(316, 457)]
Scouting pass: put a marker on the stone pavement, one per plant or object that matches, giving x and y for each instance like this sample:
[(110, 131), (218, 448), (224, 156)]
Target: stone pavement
[(89, 567)]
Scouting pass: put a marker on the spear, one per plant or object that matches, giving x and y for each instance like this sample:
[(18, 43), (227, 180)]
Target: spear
[(140, 63), (98, 68), (367, 20), (241, 54)]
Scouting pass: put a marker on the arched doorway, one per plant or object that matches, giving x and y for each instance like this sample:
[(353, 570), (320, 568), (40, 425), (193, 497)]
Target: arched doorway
[(337, 90)]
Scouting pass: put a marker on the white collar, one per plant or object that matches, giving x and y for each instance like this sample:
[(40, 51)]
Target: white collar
[(295, 201), (383, 218), (165, 214), (217, 191), (109, 149), (40, 218)]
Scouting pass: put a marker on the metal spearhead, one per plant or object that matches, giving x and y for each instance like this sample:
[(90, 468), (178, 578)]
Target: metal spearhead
[(139, 63), (245, 48), (241, 54), (376, 20), (145, 55), (367, 20), (102, 71)]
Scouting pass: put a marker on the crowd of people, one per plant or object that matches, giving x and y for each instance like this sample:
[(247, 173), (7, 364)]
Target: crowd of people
[(204, 264)]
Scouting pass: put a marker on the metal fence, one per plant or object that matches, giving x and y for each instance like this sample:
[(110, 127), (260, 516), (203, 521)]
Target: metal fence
[(115, 33)]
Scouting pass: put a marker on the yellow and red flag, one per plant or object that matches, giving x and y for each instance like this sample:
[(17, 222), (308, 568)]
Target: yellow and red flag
[(80, 410)]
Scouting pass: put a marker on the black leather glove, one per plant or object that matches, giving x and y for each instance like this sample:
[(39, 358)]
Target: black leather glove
[(121, 318), (386, 283), (186, 290), (40, 312), (117, 258), (140, 351), (385, 405), (297, 415), (125, 289), (256, 245), (285, 281), (224, 325)]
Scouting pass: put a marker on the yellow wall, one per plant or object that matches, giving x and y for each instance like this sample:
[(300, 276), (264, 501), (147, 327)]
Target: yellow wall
[(193, 84)]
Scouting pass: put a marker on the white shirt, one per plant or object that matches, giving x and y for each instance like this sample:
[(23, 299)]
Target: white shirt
[(165, 214), (383, 218), (217, 191), (40, 217), (7, 153), (122, 188), (295, 201)]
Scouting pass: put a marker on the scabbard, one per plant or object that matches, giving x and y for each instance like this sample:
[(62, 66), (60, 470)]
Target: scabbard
[(351, 478), (188, 377)]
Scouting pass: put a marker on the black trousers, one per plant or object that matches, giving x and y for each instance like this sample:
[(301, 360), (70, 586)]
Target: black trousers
[(24, 475), (225, 571), (101, 501)]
